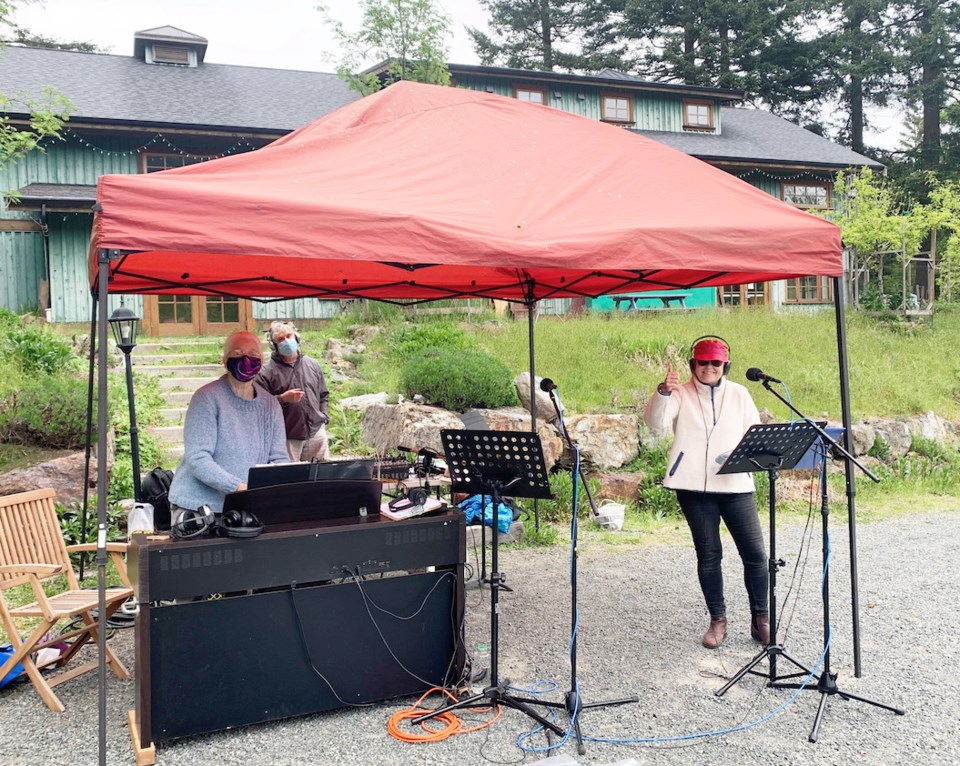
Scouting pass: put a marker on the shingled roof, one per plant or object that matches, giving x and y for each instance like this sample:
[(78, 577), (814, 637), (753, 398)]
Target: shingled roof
[(755, 135), (126, 90)]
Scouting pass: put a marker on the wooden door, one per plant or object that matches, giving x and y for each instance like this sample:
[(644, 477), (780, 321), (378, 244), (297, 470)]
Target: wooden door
[(167, 316)]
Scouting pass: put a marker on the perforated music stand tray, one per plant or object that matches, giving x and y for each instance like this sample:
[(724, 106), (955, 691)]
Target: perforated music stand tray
[(776, 446), (488, 462)]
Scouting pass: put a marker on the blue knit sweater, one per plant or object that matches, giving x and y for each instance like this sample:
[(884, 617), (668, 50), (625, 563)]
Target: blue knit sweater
[(224, 436)]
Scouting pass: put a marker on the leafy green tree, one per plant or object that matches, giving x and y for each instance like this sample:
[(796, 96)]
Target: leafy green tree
[(406, 37), (571, 35), (47, 111)]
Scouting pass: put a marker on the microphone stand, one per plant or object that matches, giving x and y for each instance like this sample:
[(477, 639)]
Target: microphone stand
[(572, 702), (827, 680)]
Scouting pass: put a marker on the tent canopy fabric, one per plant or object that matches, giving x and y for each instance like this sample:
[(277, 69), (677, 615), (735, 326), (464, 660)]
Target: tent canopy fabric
[(425, 192)]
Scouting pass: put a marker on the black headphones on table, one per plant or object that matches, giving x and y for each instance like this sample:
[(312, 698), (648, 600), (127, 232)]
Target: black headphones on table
[(413, 497), (236, 523), (193, 522), (693, 362), (203, 521)]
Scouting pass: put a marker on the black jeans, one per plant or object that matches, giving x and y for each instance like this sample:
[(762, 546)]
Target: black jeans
[(703, 511)]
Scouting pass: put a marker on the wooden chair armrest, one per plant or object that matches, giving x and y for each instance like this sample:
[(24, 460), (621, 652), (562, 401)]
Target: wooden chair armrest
[(90, 547), (42, 570), (30, 572), (116, 551)]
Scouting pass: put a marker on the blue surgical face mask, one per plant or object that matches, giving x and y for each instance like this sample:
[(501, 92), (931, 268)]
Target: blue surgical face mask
[(288, 346)]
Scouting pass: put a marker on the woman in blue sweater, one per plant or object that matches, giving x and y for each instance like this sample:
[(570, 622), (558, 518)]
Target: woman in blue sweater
[(230, 426)]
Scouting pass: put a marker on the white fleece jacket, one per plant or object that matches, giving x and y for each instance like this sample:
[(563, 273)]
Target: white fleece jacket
[(707, 423)]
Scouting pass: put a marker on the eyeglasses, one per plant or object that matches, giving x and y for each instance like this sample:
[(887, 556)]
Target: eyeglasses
[(709, 363)]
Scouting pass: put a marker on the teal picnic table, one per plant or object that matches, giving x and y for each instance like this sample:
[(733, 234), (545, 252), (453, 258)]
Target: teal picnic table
[(668, 299)]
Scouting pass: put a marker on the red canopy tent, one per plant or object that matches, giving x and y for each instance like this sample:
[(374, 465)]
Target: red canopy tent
[(422, 193)]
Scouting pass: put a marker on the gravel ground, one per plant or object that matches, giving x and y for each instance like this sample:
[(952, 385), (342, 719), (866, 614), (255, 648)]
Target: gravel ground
[(641, 616)]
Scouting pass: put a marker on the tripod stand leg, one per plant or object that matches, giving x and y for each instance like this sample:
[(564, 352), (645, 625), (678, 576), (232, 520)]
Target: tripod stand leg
[(741, 673)]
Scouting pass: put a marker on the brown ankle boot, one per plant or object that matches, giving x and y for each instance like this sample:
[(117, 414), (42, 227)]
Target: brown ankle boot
[(760, 629), (715, 633)]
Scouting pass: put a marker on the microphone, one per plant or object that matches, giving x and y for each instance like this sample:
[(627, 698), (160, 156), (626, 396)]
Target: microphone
[(547, 385), (756, 374)]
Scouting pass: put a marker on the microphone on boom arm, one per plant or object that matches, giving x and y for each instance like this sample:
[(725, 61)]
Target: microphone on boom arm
[(756, 374), (548, 385)]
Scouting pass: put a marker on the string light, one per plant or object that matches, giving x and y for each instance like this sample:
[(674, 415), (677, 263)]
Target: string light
[(782, 176), (240, 146)]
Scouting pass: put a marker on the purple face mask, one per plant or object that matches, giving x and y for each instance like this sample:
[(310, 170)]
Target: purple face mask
[(243, 368)]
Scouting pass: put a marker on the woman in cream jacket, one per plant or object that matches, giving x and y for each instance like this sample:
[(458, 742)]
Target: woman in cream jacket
[(708, 415)]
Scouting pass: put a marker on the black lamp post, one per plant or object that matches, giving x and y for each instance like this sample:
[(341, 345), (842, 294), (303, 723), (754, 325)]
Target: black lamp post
[(125, 325)]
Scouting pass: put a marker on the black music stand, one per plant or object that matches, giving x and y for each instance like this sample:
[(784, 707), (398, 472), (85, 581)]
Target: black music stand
[(827, 680), (487, 463), (772, 447)]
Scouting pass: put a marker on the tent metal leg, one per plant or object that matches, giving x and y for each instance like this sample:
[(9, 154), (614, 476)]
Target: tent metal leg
[(848, 467)]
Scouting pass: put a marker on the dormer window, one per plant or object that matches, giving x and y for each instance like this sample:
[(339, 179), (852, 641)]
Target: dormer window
[(171, 54), (169, 45), (698, 115)]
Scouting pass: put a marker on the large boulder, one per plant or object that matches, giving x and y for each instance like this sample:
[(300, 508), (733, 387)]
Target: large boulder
[(545, 409), (620, 486), (64, 474), (388, 426), (363, 401), (608, 441)]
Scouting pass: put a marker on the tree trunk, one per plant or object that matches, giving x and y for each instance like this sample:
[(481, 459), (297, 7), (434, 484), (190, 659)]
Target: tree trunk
[(546, 35)]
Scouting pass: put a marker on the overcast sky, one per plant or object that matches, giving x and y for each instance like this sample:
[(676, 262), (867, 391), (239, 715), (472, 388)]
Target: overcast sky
[(282, 34)]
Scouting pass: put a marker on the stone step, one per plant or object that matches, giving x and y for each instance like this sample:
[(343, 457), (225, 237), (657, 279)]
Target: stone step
[(167, 435), (182, 384), (172, 455), (173, 345), (179, 370), (172, 358), (173, 416), (177, 398)]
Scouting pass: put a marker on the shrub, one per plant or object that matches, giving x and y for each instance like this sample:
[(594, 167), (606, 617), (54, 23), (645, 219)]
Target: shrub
[(37, 351), (49, 411), (458, 379), (409, 340), (71, 517)]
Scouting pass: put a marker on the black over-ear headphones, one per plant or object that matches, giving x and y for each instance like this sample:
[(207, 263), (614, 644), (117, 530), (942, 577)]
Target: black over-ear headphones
[(415, 496), (236, 523), (193, 522), (693, 362)]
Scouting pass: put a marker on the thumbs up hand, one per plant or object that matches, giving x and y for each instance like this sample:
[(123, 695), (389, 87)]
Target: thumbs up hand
[(672, 382)]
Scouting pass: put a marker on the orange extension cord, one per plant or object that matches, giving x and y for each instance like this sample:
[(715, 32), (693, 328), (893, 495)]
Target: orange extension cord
[(452, 724)]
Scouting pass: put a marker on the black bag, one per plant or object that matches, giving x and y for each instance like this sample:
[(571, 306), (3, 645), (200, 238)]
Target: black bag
[(153, 489)]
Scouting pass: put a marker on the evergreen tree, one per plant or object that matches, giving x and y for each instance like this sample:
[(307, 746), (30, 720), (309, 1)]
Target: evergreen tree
[(571, 35), (760, 46)]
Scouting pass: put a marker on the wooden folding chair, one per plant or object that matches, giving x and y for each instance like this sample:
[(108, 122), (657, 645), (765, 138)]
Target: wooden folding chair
[(32, 550)]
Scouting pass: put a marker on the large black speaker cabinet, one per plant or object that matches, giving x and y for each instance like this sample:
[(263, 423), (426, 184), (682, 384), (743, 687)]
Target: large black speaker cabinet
[(248, 659)]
